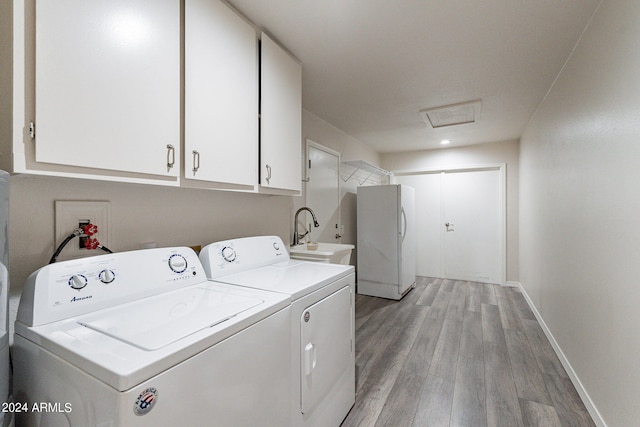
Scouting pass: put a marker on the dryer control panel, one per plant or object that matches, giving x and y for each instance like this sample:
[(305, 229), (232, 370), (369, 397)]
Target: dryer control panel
[(71, 288), (232, 256)]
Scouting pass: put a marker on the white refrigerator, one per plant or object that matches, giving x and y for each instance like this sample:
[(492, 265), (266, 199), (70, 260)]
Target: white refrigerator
[(386, 240), (5, 416)]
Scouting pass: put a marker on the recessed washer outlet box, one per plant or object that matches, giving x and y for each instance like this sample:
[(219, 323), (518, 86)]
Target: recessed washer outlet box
[(69, 214)]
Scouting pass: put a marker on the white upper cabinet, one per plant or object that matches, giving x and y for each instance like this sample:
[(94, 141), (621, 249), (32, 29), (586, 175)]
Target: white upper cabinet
[(95, 90), (107, 85), (280, 118), (221, 96)]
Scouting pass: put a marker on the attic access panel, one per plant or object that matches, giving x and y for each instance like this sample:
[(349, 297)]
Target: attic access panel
[(452, 115)]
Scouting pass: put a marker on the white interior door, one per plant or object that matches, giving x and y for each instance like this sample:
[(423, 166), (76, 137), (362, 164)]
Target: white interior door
[(473, 224), (472, 247), (323, 192)]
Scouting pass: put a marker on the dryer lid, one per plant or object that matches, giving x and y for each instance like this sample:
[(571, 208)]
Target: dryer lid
[(292, 277), (154, 322)]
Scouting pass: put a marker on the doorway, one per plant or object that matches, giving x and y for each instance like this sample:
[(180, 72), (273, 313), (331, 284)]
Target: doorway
[(323, 191), (460, 223)]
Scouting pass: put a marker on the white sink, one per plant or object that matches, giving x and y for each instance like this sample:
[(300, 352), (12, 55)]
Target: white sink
[(333, 253)]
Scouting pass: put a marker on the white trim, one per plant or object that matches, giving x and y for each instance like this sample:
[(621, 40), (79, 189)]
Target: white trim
[(512, 284), (452, 168), (322, 147), (584, 395), (502, 168)]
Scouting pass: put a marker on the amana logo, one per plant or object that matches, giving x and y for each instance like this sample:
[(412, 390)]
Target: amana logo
[(74, 299)]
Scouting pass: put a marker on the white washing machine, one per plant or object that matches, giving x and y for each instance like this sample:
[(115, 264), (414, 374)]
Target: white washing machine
[(322, 320), (142, 338)]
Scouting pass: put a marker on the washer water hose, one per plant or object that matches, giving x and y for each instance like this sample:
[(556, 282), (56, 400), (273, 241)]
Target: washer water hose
[(91, 243)]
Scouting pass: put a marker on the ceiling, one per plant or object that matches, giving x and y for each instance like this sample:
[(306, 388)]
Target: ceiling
[(371, 66)]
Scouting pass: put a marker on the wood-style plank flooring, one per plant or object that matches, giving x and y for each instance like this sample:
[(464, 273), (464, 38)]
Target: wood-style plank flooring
[(455, 353)]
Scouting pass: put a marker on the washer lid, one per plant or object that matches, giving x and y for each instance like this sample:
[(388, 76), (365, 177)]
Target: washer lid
[(155, 322), (123, 365)]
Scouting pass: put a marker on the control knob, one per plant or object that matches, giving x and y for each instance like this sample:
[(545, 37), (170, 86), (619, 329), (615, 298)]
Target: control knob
[(177, 263), (106, 276), (77, 281), (229, 254)]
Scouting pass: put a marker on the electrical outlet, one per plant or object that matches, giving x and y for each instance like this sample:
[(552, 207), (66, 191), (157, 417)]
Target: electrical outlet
[(71, 215)]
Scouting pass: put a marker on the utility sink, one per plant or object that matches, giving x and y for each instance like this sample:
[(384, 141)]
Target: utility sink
[(332, 253)]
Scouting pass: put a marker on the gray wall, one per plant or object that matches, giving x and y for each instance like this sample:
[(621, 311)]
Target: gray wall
[(580, 211)]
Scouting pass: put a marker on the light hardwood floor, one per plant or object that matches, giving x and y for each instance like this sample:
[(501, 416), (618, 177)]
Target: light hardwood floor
[(455, 353)]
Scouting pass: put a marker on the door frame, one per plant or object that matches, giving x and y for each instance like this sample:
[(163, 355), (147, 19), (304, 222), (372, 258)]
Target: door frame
[(502, 168), (312, 144)]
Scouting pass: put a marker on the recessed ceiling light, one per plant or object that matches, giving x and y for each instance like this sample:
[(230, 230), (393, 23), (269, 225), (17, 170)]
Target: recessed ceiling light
[(445, 142)]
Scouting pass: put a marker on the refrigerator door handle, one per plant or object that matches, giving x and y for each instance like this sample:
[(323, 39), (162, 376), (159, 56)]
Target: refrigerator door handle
[(404, 224)]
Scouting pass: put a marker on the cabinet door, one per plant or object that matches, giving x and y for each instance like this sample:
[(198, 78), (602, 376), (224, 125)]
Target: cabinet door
[(108, 84), (280, 118), (221, 95)]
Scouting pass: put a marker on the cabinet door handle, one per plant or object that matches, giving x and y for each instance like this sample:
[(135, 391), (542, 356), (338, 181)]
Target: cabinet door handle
[(171, 157), (196, 161), (268, 178)]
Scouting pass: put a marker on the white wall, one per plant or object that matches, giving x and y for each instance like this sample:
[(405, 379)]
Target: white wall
[(473, 155), (350, 148), (580, 211), (139, 213)]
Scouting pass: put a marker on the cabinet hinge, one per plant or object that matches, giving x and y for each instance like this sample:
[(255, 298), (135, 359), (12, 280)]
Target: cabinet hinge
[(32, 130)]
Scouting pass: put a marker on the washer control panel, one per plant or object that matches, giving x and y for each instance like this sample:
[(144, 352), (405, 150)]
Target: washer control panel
[(231, 256), (70, 288)]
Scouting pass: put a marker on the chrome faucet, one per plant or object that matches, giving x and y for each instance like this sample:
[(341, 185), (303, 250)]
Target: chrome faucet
[(297, 236)]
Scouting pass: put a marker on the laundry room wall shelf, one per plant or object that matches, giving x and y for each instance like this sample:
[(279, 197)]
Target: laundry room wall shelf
[(364, 171)]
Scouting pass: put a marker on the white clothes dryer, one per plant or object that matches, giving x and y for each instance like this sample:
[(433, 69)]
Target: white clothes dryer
[(322, 320), (142, 338)]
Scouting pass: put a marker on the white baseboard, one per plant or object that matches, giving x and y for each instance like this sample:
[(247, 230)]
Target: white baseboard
[(586, 399), (511, 284)]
